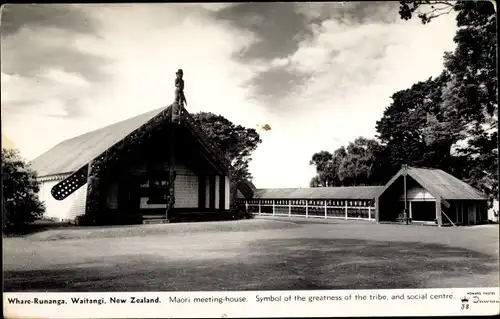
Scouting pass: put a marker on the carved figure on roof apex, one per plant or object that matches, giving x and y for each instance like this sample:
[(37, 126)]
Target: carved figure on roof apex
[(180, 98)]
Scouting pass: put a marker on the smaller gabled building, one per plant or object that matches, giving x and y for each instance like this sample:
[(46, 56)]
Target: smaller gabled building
[(432, 195)]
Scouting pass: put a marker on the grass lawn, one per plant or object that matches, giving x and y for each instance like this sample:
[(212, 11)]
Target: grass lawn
[(259, 254)]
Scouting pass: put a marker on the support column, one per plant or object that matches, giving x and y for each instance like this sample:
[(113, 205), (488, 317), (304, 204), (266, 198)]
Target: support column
[(246, 206), (259, 207), (325, 210), (201, 192), (212, 192), (377, 210), (307, 208), (405, 214), (411, 212), (222, 192), (345, 210), (231, 194), (439, 216), (217, 192), (369, 212), (289, 208), (462, 212), (208, 192), (274, 208)]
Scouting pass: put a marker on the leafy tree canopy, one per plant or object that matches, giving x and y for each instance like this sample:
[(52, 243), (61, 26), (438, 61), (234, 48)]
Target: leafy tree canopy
[(469, 96), (356, 164), (235, 142), (448, 122), (20, 192)]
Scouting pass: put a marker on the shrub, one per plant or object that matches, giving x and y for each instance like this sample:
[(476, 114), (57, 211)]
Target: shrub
[(241, 213), (21, 205)]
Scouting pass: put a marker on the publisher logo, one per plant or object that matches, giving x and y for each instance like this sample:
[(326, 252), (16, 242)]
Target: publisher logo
[(465, 303)]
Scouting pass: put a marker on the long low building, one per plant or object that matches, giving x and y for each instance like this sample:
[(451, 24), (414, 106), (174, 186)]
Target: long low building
[(432, 196)]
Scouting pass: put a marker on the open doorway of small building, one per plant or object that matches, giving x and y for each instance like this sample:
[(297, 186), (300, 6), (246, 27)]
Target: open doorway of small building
[(422, 211)]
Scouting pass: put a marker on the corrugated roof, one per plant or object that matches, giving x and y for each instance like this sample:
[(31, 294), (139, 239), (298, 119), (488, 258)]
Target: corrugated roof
[(447, 186), (439, 184), (246, 188), (350, 192), (70, 155)]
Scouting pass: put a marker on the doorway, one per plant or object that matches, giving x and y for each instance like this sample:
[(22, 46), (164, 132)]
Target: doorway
[(472, 214), (423, 211)]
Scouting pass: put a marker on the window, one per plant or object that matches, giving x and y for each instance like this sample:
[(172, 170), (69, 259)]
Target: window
[(154, 187), (157, 191)]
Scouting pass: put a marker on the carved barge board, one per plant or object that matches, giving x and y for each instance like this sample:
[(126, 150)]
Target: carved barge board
[(171, 163), (76, 180), (69, 185)]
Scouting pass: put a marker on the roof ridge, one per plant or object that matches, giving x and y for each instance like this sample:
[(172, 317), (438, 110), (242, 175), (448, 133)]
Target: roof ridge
[(116, 123), (322, 187)]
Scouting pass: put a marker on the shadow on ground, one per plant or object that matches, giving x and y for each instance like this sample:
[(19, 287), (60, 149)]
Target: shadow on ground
[(278, 264)]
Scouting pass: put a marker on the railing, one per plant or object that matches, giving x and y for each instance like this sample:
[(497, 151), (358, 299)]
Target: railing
[(311, 211)]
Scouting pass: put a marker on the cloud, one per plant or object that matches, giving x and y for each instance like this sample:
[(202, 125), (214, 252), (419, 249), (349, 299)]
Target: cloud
[(30, 50), (320, 74), (277, 27), (42, 71), (215, 6), (139, 60), (67, 17), (349, 12), (274, 84), (53, 93), (354, 67)]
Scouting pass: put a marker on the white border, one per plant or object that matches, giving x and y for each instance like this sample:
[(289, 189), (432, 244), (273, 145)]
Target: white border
[(319, 303)]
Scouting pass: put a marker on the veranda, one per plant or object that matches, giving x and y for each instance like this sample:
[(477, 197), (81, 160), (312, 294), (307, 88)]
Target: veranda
[(312, 208)]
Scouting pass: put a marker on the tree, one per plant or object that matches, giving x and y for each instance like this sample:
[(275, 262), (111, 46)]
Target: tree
[(363, 164), (469, 98), (20, 192), (416, 129), (326, 173), (235, 142), (358, 164), (426, 11)]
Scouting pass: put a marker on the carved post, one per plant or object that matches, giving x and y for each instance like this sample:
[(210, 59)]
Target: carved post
[(180, 98), (171, 167), (92, 202)]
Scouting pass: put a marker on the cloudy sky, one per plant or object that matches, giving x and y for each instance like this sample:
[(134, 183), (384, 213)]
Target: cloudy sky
[(320, 74)]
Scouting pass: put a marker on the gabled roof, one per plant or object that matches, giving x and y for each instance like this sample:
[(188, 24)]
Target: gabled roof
[(247, 188), (348, 192), (72, 154), (439, 184)]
